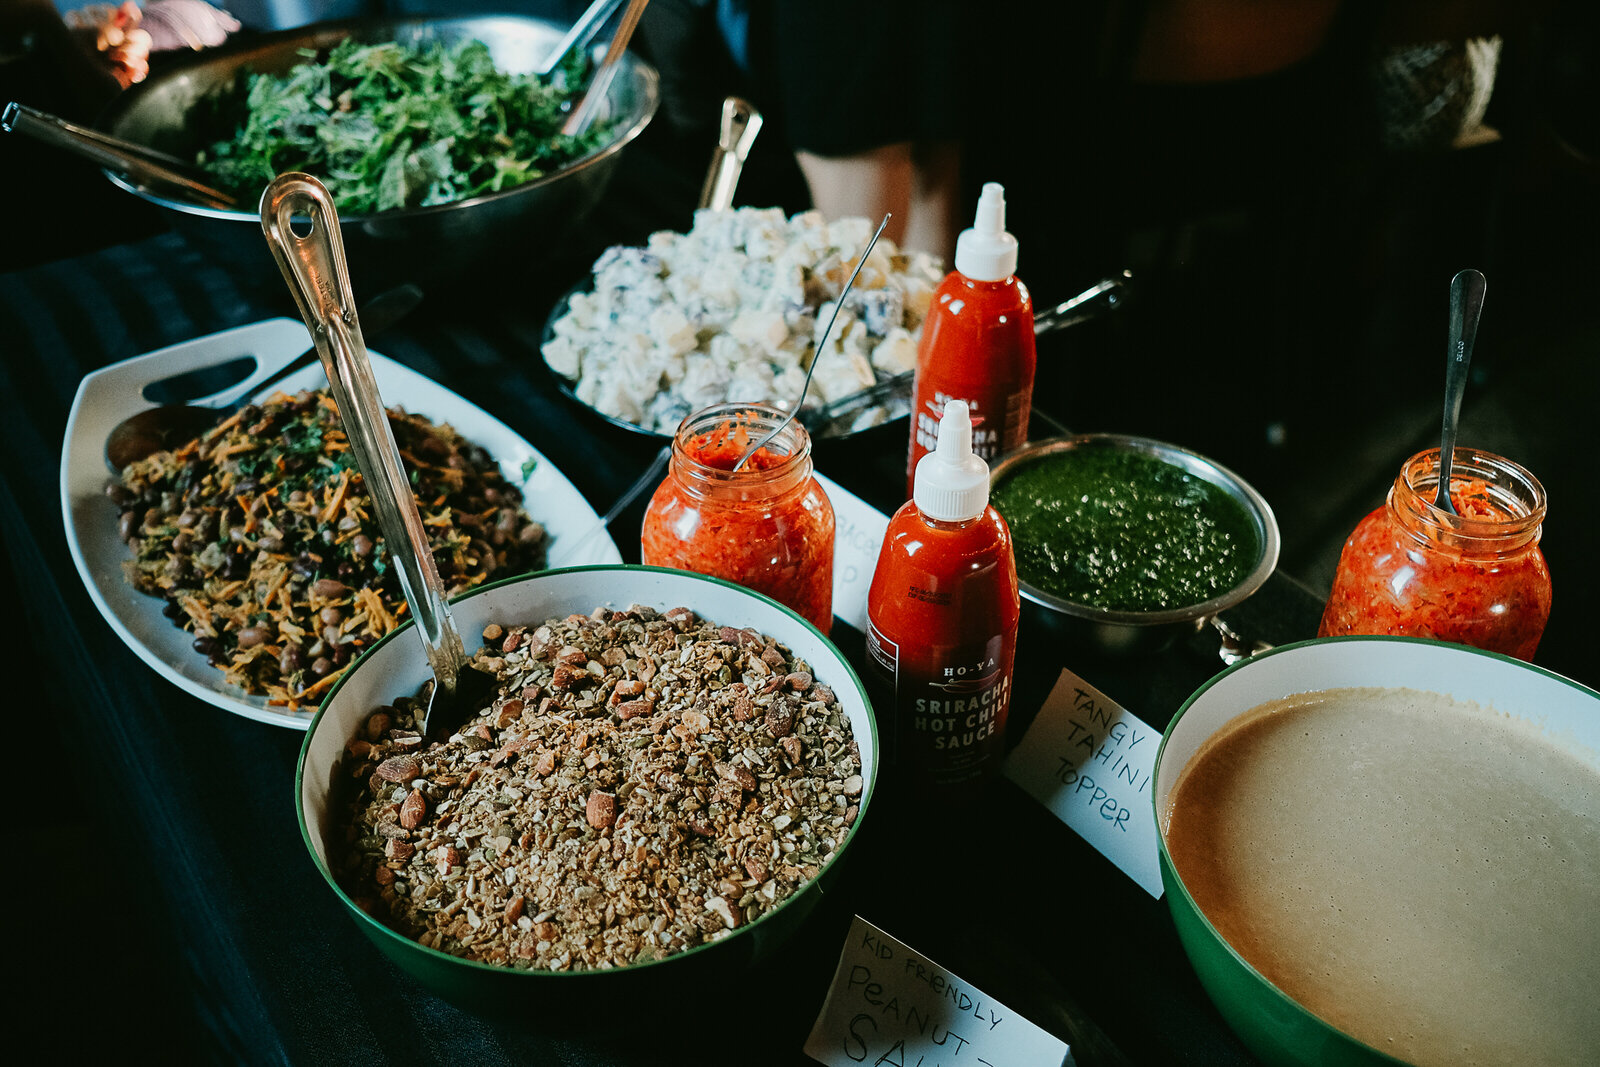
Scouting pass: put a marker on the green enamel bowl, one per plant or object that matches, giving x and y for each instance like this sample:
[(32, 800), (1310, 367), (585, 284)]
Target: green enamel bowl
[(1272, 1024), (396, 667)]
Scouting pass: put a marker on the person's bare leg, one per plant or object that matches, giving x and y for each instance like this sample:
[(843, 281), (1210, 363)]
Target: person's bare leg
[(936, 213), (868, 184)]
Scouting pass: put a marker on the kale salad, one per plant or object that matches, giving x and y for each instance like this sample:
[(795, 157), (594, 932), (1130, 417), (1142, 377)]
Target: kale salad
[(392, 125)]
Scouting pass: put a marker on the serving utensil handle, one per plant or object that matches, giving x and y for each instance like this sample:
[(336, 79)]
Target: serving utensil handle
[(138, 161), (740, 124), (313, 263)]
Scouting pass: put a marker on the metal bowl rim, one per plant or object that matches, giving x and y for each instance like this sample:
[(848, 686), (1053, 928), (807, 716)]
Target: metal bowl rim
[(648, 75), (1189, 460)]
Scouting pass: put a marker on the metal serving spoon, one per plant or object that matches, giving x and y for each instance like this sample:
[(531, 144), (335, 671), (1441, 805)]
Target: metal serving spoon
[(170, 425), (1466, 303), (313, 263), (816, 357)]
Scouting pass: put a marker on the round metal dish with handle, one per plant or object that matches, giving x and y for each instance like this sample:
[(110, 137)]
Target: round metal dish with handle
[(1274, 1026), (1126, 633), (166, 113)]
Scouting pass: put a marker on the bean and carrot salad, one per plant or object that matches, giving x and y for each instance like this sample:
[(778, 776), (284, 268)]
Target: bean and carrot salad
[(263, 542)]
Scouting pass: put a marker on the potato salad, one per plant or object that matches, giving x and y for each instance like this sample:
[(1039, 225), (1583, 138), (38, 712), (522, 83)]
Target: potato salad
[(731, 312)]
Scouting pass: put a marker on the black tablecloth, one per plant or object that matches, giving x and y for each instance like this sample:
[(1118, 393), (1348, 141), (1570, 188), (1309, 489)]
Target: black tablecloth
[(188, 836)]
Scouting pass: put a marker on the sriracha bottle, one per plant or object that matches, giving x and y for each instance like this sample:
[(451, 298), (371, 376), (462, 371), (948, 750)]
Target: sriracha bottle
[(942, 616), (977, 342)]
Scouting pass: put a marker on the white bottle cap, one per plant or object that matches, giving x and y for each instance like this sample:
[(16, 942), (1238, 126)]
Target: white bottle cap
[(951, 483), (987, 253)]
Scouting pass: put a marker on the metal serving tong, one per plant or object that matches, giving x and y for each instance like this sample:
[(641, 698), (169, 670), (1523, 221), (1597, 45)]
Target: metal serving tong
[(588, 107), (313, 263), (139, 162), (579, 36), (1108, 294), (740, 124)]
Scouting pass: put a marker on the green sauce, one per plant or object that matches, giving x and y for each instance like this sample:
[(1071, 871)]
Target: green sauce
[(1124, 531)]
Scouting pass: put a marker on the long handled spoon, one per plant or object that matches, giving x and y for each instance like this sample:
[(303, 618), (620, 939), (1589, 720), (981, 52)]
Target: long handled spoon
[(817, 355), (1466, 303), (313, 263)]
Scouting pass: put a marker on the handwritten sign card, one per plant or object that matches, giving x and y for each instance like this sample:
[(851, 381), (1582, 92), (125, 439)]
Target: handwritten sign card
[(1091, 762), (858, 536), (889, 1006)]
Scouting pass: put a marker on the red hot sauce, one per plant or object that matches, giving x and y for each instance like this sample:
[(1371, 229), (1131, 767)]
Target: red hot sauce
[(767, 526), (1474, 578), (942, 614)]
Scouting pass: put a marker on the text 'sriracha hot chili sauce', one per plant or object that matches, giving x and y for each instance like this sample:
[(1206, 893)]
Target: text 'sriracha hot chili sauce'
[(942, 614), (977, 342)]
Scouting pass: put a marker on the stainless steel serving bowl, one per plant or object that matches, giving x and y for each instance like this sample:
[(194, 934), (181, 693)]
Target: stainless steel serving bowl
[(409, 244), (1126, 633)]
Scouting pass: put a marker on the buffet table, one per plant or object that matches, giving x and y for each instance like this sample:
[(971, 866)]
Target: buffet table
[(194, 805)]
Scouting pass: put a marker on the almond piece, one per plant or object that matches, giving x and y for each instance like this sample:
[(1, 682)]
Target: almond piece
[(413, 810)]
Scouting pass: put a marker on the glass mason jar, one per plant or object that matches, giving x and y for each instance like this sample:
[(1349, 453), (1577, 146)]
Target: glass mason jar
[(1476, 578), (768, 527)]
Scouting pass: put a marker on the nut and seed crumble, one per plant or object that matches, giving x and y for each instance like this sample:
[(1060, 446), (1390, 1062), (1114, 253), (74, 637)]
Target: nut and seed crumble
[(641, 783)]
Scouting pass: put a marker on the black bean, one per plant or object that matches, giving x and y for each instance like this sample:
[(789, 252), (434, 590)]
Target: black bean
[(251, 636), (207, 646), (321, 666)]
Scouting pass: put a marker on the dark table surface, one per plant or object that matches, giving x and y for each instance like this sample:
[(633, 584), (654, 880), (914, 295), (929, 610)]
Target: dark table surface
[(187, 835)]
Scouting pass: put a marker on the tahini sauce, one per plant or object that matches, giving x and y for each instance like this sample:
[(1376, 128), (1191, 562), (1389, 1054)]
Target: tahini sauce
[(1423, 874)]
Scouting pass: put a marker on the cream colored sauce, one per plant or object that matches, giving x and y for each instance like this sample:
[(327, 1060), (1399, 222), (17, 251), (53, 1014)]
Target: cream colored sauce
[(1424, 874)]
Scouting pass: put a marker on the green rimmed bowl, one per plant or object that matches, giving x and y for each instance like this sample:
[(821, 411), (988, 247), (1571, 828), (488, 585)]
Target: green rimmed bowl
[(1272, 1024), (396, 667)]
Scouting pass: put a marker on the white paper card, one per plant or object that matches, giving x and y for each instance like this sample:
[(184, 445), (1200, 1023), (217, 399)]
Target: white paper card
[(1091, 762), (858, 536), (889, 1005)]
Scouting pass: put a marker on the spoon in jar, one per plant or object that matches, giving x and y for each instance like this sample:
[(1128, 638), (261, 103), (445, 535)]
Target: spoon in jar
[(313, 263), (1466, 303), (816, 357)]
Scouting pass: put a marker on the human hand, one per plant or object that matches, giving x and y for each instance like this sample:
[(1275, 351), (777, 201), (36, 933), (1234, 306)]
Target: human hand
[(114, 33)]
